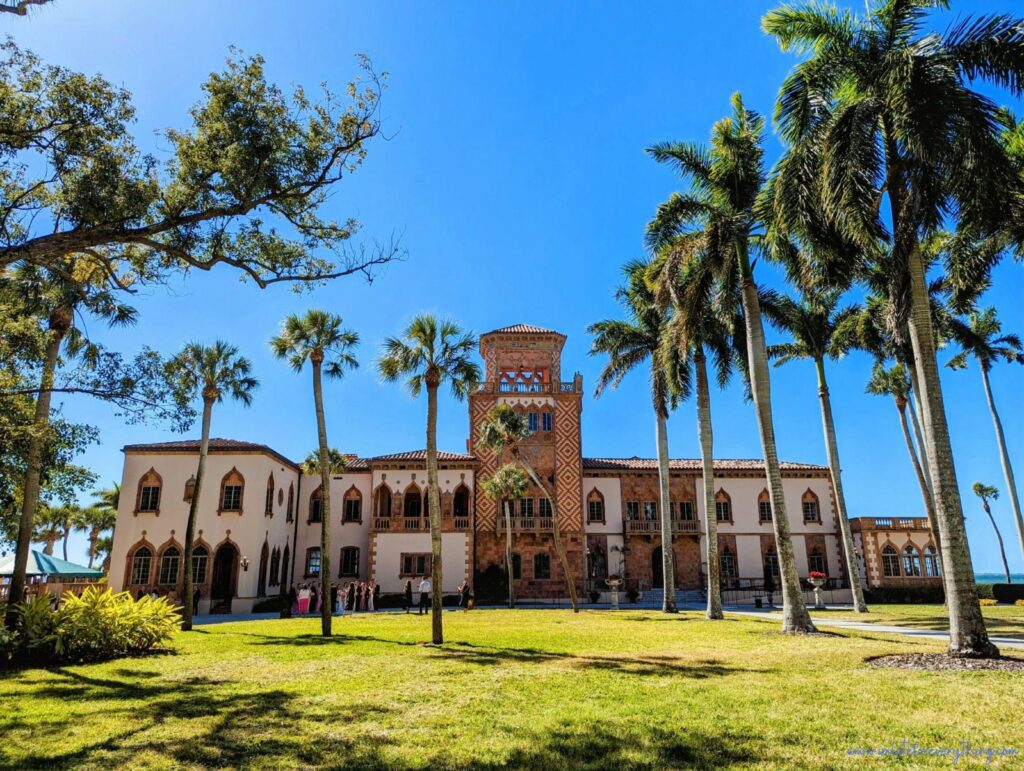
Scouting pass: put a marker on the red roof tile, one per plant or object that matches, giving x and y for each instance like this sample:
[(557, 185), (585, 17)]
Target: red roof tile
[(217, 444), (690, 464), (420, 455), (523, 329)]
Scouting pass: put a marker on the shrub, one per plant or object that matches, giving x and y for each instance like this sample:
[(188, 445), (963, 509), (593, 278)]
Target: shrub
[(1008, 593), (985, 591), (988, 601), (1019, 603), (904, 595)]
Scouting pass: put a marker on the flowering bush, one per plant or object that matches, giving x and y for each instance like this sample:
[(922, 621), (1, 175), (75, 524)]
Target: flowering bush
[(816, 574), (987, 602), (1019, 603)]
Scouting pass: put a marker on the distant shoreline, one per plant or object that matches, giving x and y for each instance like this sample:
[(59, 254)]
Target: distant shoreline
[(998, 578)]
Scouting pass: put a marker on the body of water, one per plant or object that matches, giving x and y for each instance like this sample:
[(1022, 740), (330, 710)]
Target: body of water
[(998, 578)]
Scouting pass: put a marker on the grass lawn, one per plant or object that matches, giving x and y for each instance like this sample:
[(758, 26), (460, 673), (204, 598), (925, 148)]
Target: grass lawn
[(1001, 620), (533, 689)]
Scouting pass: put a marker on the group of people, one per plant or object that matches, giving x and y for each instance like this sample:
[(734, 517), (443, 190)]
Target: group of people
[(425, 590), (351, 596)]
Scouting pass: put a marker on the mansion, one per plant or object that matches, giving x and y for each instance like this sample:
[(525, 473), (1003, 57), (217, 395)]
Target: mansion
[(259, 516)]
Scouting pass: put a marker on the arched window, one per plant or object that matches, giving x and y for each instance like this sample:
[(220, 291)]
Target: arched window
[(931, 562), (275, 567), (541, 566), (460, 504), (261, 576), (809, 504), (382, 502), (312, 561), (911, 561), (412, 502), (147, 498), (890, 562), (315, 506), (517, 566), (349, 561), (723, 506), (764, 507), (200, 558), (531, 421), (727, 563), (595, 506), (289, 513), (142, 566), (816, 561), (190, 489), (170, 561), (285, 559), (231, 488), (268, 508), (353, 506)]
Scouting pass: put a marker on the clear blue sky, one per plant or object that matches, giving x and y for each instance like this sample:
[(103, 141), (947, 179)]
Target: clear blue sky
[(516, 175)]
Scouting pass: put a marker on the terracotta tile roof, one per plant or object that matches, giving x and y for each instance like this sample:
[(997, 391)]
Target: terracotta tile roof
[(217, 444), (522, 328), (690, 464), (355, 463), (420, 455)]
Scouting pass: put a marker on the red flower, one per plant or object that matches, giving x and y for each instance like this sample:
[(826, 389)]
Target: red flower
[(816, 574)]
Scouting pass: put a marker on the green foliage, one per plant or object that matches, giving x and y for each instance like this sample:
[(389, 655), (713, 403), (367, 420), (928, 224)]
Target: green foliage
[(97, 625), (431, 351), (319, 337), (212, 371), (508, 483), (336, 460)]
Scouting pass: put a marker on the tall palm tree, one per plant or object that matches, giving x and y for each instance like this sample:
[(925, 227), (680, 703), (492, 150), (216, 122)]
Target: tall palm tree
[(104, 545), (882, 110), (336, 462), (59, 303), (895, 383), (211, 372), (505, 485), (504, 430), (319, 338), (981, 339), (629, 344), (812, 323), (50, 523), (96, 520), (431, 352), (719, 212), (987, 493)]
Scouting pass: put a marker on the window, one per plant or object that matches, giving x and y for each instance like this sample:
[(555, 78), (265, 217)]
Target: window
[(460, 503), (261, 576), (764, 507), (353, 509), (415, 564), (727, 563), (911, 562), (232, 498), (546, 421), (650, 510), (931, 562), (284, 564), (142, 562), (632, 509), (544, 506), (723, 506), (531, 421), (685, 511), (313, 561), (816, 561), (413, 503), (541, 566), (316, 511), (291, 500), (771, 564), (595, 507), (890, 562), (149, 498), (169, 562), (268, 508), (190, 489), (275, 567), (200, 556), (526, 507), (382, 506), (809, 504), (349, 561), (517, 566)]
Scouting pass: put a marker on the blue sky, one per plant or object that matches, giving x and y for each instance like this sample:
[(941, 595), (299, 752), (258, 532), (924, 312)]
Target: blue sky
[(514, 172)]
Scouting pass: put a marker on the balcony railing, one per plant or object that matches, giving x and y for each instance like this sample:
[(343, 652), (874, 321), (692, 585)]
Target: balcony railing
[(506, 387), (897, 523), (381, 523), (533, 524), (461, 523), (418, 524), (653, 526)]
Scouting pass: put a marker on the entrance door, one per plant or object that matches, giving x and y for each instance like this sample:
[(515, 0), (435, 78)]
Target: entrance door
[(657, 569), (225, 577)]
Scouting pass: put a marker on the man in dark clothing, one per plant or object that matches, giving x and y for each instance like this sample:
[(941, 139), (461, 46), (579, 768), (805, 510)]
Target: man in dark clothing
[(425, 595)]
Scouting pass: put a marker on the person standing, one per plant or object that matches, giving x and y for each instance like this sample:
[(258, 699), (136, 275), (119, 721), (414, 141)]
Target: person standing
[(303, 600), (371, 596), (465, 594), (407, 601), (425, 589), (195, 601)]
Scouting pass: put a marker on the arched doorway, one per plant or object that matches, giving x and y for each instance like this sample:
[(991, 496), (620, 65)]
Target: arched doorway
[(657, 569), (225, 578)]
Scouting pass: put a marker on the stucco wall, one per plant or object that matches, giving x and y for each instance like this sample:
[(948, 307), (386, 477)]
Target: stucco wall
[(389, 548)]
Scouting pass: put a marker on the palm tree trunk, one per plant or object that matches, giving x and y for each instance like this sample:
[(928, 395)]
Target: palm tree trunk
[(668, 562), (556, 531), (795, 617), (60, 322), (434, 513), (832, 448), (51, 541), (926, 496), (915, 410), (1004, 458), (707, 461), (193, 509), (999, 538), (93, 536), (325, 501), (507, 506), (67, 535), (967, 634)]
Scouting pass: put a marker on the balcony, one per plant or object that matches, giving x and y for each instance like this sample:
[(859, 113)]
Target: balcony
[(527, 524), (418, 524), (564, 387), (898, 523), (653, 526)]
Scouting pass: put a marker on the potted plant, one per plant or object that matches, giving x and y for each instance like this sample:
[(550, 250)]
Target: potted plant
[(817, 580), (613, 586)]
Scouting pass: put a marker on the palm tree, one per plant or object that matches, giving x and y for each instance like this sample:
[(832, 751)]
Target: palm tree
[(503, 430), (980, 338), (882, 110), (211, 372), (96, 520), (718, 213), (812, 324), (336, 462), (319, 338), (507, 484), (895, 383), (431, 352), (987, 493), (50, 522), (628, 344), (104, 544)]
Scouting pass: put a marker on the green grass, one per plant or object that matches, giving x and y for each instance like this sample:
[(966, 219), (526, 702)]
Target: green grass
[(534, 689), (1001, 620)]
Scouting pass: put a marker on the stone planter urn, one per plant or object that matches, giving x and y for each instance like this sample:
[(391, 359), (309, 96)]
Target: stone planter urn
[(613, 586), (817, 581)]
